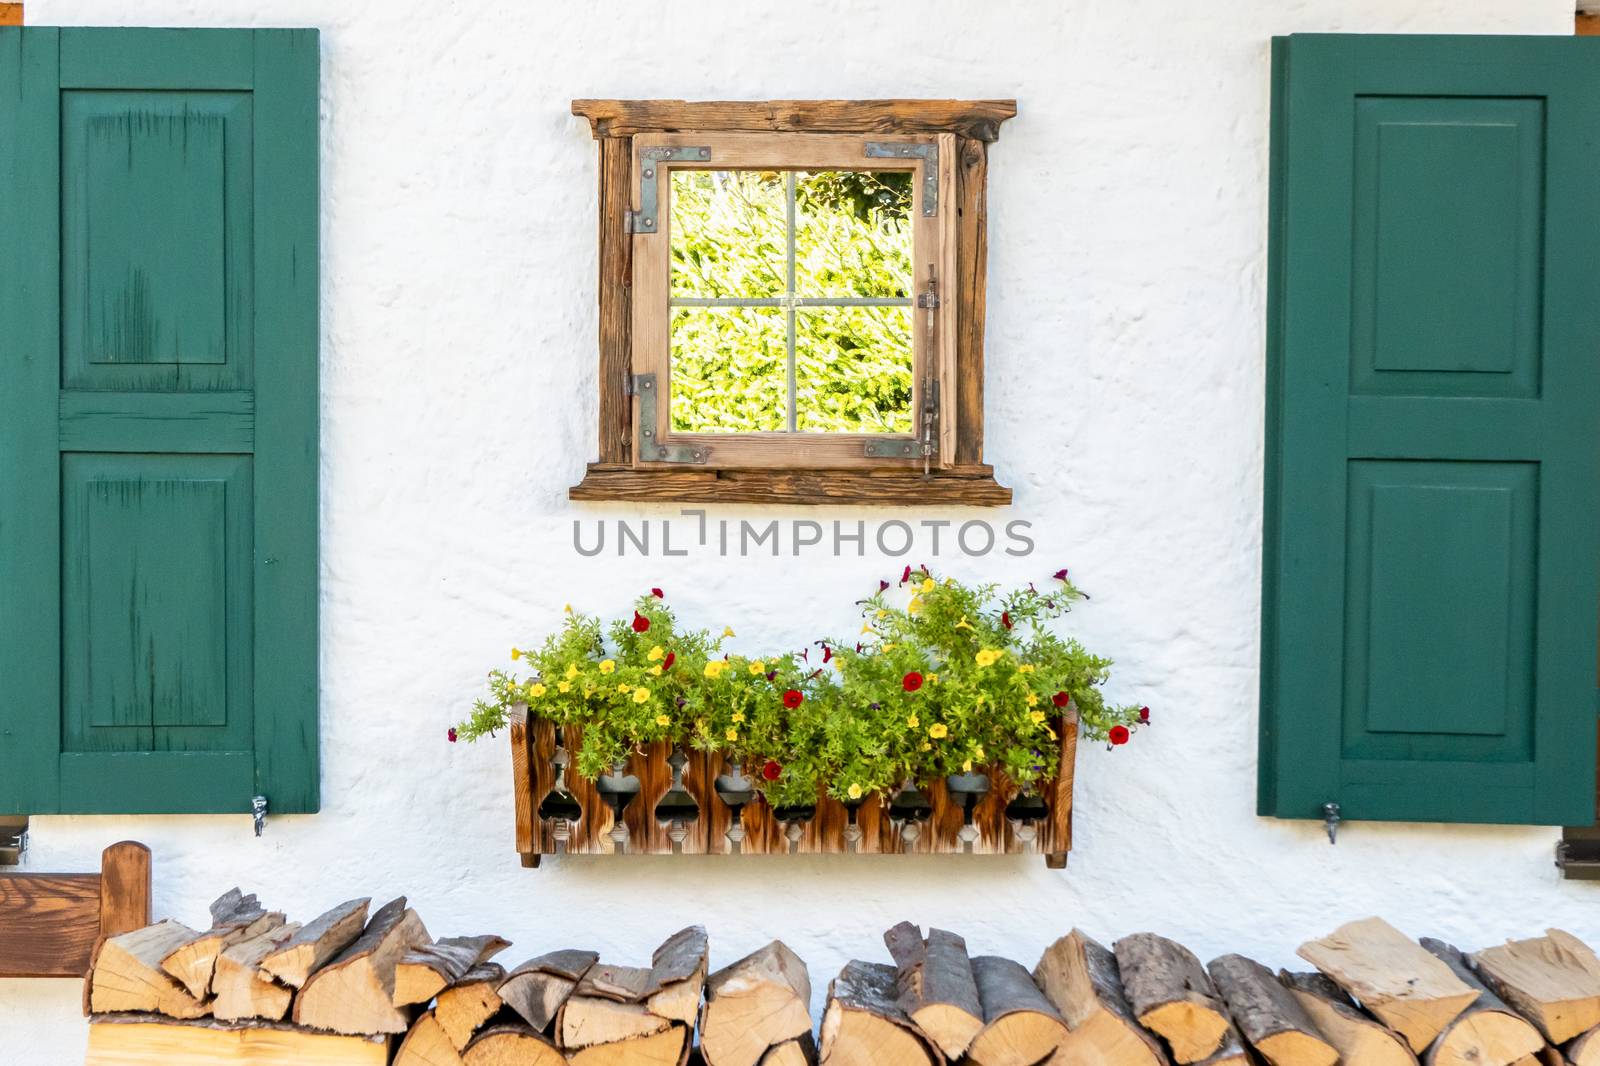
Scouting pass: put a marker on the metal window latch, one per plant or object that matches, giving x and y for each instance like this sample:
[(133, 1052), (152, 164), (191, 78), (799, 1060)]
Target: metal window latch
[(1330, 819), (258, 811), (926, 442)]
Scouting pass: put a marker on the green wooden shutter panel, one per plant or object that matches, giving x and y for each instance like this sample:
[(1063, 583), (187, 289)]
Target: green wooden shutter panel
[(1430, 587), (158, 420)]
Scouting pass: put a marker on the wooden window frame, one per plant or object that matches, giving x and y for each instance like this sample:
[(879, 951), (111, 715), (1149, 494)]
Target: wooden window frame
[(831, 469)]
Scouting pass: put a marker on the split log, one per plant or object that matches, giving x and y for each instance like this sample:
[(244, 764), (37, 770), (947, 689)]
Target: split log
[(426, 1045), (1171, 995), (510, 1045), (127, 974), (1271, 1018), (935, 986), (234, 917), (124, 1039), (665, 1048), (620, 984), (588, 1020), (1360, 1039), (537, 989), (1393, 977), (427, 970), (864, 1024), (355, 992), (1583, 1050), (1020, 1026), (1553, 981), (678, 975), (467, 1004), (798, 1052), (242, 991), (761, 1000), (1079, 977), (1233, 1051), (316, 943), (1487, 1033)]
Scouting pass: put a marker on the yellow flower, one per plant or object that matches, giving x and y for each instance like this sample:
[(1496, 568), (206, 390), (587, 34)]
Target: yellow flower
[(567, 609), (757, 667), (572, 671), (656, 669), (938, 731), (915, 605), (912, 722), (926, 746), (1032, 699), (889, 646), (988, 657), (624, 688), (933, 679), (1036, 717), (656, 652), (738, 716), (733, 734), (641, 694), (727, 631), (714, 668), (564, 686), (966, 767), (963, 624), (867, 628), (536, 691), (977, 752), (854, 792), (927, 584), (1025, 668), (516, 653), (662, 719), (882, 613), (608, 665)]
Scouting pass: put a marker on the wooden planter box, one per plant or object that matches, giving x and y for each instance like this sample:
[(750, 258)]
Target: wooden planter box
[(949, 830)]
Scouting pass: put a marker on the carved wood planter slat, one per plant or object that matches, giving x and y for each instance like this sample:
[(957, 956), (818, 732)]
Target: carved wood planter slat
[(559, 812)]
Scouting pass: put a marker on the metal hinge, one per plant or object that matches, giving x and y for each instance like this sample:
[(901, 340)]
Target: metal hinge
[(650, 450), (645, 219), (13, 839), (928, 152), (926, 443)]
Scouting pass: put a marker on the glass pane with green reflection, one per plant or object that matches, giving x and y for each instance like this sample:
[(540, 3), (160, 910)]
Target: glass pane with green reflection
[(729, 232), (853, 233), (853, 370), (730, 370)]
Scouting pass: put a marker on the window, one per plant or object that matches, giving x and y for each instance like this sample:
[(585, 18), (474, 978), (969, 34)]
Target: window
[(791, 301)]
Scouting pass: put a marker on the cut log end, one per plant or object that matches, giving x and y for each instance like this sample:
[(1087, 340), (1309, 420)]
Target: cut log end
[(1193, 1031), (510, 1045)]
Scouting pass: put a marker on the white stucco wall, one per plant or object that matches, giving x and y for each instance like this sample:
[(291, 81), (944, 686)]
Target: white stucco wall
[(1125, 353)]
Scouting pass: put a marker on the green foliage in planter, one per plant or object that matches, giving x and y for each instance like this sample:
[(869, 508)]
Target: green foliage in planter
[(943, 678)]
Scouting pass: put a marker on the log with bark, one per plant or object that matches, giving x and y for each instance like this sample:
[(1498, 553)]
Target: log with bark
[(678, 976), (1358, 1037), (127, 1039), (1172, 996), (801, 1051), (127, 973), (585, 1020), (754, 1004), (935, 986), (1487, 1033), (472, 1000), (234, 917), (240, 987), (1269, 1015), (354, 993), (1393, 977), (510, 1045), (426, 970), (1079, 977), (864, 1024), (1583, 1050), (316, 943), (537, 989), (1552, 980), (426, 1045), (1020, 1026)]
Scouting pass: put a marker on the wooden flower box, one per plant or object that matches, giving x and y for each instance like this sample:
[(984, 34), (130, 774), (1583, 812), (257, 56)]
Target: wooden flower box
[(561, 813)]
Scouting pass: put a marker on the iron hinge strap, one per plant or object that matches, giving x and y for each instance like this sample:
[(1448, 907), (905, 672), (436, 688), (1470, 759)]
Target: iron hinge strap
[(928, 152), (646, 219), (650, 449)]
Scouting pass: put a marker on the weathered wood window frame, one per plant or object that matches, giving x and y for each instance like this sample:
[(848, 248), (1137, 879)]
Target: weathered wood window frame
[(633, 298)]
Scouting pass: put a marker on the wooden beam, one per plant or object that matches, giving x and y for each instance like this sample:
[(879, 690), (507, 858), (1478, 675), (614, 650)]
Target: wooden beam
[(10, 14), (974, 487), (1587, 25), (979, 119), (51, 924)]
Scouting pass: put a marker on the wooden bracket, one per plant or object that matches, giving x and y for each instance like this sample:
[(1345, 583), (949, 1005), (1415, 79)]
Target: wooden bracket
[(52, 924), (10, 14)]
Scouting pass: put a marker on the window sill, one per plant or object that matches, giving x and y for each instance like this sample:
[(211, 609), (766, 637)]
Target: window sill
[(970, 486)]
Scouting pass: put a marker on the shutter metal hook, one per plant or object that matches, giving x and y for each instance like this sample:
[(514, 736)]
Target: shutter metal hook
[(258, 810), (1330, 818)]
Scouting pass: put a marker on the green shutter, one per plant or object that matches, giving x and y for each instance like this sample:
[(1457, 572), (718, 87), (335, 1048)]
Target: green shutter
[(158, 420), (1432, 490)]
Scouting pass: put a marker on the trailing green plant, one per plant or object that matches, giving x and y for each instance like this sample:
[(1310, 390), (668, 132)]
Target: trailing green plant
[(943, 678)]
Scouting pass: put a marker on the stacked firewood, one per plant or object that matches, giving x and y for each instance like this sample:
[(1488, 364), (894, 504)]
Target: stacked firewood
[(359, 987)]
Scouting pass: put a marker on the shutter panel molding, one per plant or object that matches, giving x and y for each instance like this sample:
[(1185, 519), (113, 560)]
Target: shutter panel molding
[(158, 420), (1431, 579)]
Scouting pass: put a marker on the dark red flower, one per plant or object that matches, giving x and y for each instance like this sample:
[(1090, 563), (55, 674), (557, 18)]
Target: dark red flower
[(640, 622), (883, 586), (905, 575), (772, 675), (1144, 714), (1061, 699), (658, 594), (1119, 734), (858, 647), (452, 734), (771, 770), (666, 664), (805, 653), (1060, 575), (911, 682), (793, 698), (1005, 619), (827, 653)]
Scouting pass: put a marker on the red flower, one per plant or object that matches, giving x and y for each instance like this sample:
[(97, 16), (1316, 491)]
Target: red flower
[(1061, 699), (658, 594), (771, 770), (640, 622), (911, 682), (452, 734), (1005, 619), (1119, 734), (1144, 714), (791, 699), (827, 653), (666, 664), (905, 575), (883, 586), (1060, 575)]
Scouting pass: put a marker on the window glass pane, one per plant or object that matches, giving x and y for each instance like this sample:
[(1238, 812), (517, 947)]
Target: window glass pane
[(853, 233), (730, 370), (729, 232), (853, 369)]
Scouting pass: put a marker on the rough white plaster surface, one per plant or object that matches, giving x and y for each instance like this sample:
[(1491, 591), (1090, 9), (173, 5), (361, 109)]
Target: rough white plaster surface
[(1128, 213)]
